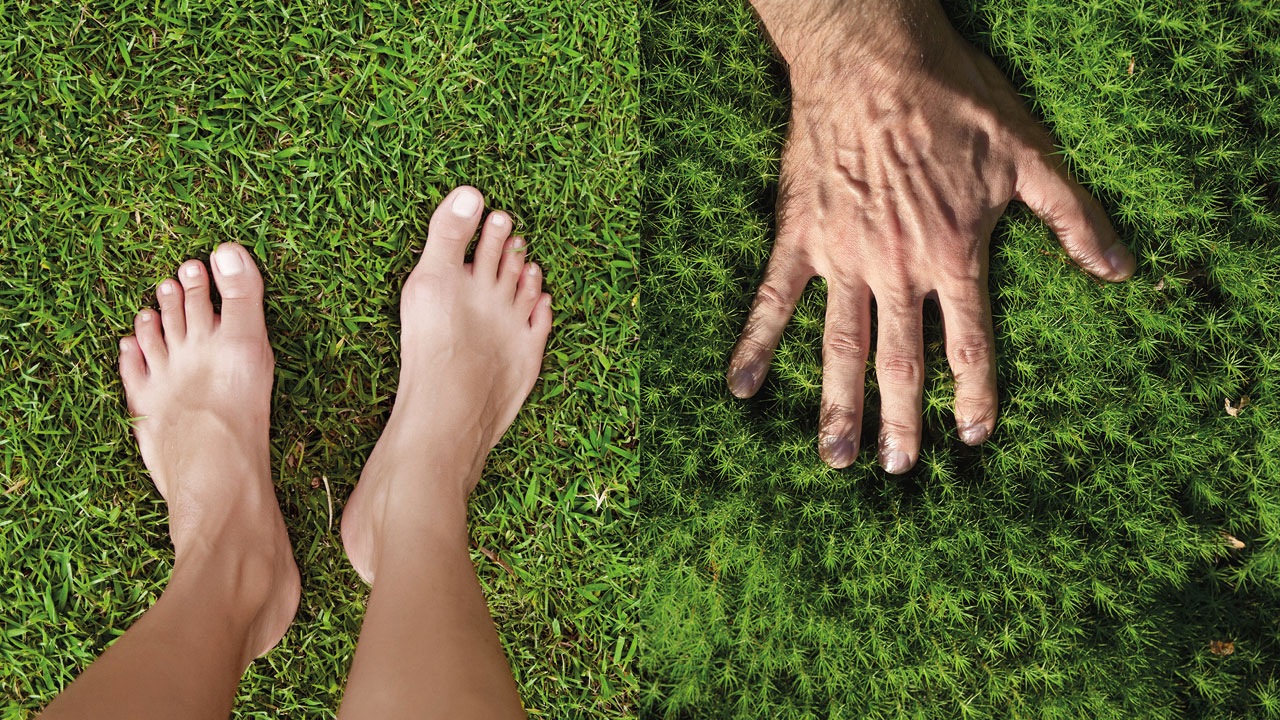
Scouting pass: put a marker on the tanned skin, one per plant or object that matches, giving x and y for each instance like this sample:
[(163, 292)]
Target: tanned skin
[(905, 146)]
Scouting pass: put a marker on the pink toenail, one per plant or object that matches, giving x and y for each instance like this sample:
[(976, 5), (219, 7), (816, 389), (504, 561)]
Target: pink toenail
[(166, 288), (229, 262), (533, 269), (517, 243), (466, 204), (191, 271), (144, 317), (498, 220), (125, 346)]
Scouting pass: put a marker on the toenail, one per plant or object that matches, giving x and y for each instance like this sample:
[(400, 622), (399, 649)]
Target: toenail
[(125, 346), (498, 219), (517, 243), (533, 269), (191, 271), (144, 317), (229, 261), (166, 288), (466, 204)]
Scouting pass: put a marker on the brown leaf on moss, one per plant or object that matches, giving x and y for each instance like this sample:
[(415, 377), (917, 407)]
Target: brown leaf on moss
[(1221, 648), (1234, 410), (1233, 542), (1131, 62)]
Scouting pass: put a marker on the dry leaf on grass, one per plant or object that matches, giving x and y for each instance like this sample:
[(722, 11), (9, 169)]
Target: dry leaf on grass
[(1221, 648), (1233, 542), (1131, 61), (1234, 410)]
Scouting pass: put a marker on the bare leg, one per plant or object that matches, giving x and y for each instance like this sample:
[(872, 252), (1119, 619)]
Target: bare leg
[(201, 392), (472, 342)]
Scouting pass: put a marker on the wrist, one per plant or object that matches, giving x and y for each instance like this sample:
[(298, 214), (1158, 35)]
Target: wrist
[(863, 41)]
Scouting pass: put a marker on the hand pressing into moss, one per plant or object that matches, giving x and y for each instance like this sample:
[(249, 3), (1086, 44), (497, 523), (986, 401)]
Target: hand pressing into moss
[(905, 146)]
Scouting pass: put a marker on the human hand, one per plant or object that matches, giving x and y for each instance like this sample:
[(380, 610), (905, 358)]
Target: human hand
[(905, 146)]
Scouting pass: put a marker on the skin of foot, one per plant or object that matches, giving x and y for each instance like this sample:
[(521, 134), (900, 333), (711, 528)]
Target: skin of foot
[(198, 384), (472, 342)]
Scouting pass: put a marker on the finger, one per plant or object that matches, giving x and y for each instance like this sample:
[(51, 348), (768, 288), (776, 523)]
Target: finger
[(845, 343), (1074, 216), (966, 315), (900, 374), (784, 280)]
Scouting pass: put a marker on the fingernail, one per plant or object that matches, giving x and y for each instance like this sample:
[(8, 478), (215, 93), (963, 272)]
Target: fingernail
[(894, 462), (229, 262), (742, 380), (191, 270), (465, 203), (837, 451), (973, 433), (1121, 260)]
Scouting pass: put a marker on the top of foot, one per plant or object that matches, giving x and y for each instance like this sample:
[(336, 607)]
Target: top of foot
[(198, 384), (472, 342)]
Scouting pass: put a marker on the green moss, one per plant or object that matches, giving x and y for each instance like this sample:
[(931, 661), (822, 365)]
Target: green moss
[(1071, 567)]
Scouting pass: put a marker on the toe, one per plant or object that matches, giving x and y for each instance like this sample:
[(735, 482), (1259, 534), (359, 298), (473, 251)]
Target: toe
[(529, 288), (540, 318), (172, 316), (240, 285), (452, 226), (493, 237), (511, 265), (133, 366), (146, 326), (196, 302)]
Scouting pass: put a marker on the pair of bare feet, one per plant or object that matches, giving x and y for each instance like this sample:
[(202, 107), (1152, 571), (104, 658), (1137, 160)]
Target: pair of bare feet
[(199, 384)]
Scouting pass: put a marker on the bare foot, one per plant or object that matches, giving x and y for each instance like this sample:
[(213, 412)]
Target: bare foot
[(471, 348), (199, 387)]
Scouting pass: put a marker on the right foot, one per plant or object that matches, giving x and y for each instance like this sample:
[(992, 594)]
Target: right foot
[(471, 348), (199, 388)]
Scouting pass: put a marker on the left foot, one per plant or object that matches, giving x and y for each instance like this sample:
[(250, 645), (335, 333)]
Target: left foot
[(471, 347), (199, 387)]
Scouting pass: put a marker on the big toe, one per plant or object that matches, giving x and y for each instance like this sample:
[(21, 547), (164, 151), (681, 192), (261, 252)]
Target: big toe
[(240, 285), (453, 224)]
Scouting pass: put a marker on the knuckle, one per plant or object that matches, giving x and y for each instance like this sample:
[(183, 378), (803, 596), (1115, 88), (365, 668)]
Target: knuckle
[(844, 344), (750, 345), (899, 370), (892, 430), (769, 297), (970, 352)]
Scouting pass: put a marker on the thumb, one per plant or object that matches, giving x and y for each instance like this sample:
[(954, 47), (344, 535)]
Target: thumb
[(1074, 216)]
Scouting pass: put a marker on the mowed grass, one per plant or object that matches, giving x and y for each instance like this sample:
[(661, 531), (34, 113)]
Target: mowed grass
[(1076, 564), (321, 135)]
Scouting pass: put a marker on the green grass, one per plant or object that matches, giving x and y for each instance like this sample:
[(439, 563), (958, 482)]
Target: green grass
[(134, 135), (1072, 566)]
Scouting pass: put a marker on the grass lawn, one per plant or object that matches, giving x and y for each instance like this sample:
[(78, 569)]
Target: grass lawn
[(320, 135), (1075, 565)]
